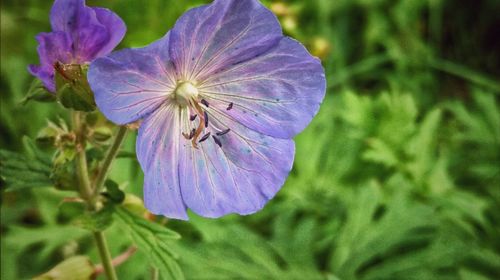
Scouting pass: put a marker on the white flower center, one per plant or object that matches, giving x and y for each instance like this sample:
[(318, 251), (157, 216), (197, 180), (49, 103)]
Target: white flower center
[(185, 92)]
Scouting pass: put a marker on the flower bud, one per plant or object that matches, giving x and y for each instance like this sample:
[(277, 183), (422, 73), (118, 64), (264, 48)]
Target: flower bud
[(320, 47), (76, 268), (280, 8), (134, 204), (289, 23), (102, 134), (72, 88), (47, 136), (63, 176)]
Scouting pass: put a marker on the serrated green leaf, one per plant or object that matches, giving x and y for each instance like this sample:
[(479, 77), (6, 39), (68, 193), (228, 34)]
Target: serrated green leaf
[(19, 171), (154, 240), (380, 152), (51, 236)]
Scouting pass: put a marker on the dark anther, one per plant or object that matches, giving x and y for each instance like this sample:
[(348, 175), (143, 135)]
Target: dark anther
[(192, 117), (217, 141), (191, 134), (205, 137), (204, 102), (230, 106), (223, 132), (205, 115)]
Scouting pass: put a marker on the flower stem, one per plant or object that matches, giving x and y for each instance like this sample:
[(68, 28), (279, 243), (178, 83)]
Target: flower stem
[(110, 156), (117, 260), (87, 194), (81, 158), (107, 263)]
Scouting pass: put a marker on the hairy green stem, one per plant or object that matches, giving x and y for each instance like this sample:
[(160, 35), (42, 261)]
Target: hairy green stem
[(110, 156), (87, 193), (81, 158)]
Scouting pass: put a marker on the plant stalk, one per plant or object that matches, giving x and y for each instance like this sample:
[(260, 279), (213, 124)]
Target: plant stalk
[(88, 194), (81, 158), (107, 262), (110, 156)]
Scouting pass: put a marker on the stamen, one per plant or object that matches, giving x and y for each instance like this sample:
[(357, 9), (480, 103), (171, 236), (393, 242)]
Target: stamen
[(191, 134), (204, 102), (223, 132), (205, 115), (201, 124), (230, 106), (205, 137), (186, 136), (193, 117), (217, 141)]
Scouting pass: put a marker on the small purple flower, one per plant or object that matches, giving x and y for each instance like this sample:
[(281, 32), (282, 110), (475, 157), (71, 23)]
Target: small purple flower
[(79, 35), (220, 98)]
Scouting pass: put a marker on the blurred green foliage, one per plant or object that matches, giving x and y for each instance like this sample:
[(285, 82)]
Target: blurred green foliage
[(398, 177)]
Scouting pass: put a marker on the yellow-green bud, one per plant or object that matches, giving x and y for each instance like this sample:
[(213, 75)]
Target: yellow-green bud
[(74, 268)]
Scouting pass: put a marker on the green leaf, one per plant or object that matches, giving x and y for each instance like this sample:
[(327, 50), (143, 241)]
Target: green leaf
[(380, 152), (20, 171), (96, 221), (51, 236), (113, 191), (154, 240)]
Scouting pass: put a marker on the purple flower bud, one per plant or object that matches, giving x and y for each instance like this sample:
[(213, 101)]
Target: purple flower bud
[(79, 35)]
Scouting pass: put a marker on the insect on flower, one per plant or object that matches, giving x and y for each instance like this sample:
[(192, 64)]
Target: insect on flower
[(79, 35), (220, 96)]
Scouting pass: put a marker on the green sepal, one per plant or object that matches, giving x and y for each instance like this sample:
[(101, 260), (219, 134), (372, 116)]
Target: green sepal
[(72, 88), (37, 92)]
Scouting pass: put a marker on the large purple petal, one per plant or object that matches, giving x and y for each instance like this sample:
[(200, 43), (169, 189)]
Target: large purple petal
[(158, 145), (70, 15), (276, 93), (52, 47), (89, 41), (130, 84), (240, 176), (95, 31), (115, 27), (218, 35)]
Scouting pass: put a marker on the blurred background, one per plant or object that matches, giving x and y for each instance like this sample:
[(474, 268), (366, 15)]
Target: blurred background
[(398, 176)]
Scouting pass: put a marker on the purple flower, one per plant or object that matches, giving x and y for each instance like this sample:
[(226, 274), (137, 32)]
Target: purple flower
[(220, 98), (79, 35)]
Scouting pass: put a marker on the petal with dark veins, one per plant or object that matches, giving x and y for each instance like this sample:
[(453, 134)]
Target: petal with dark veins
[(223, 33), (129, 84), (240, 176), (277, 93), (157, 146)]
